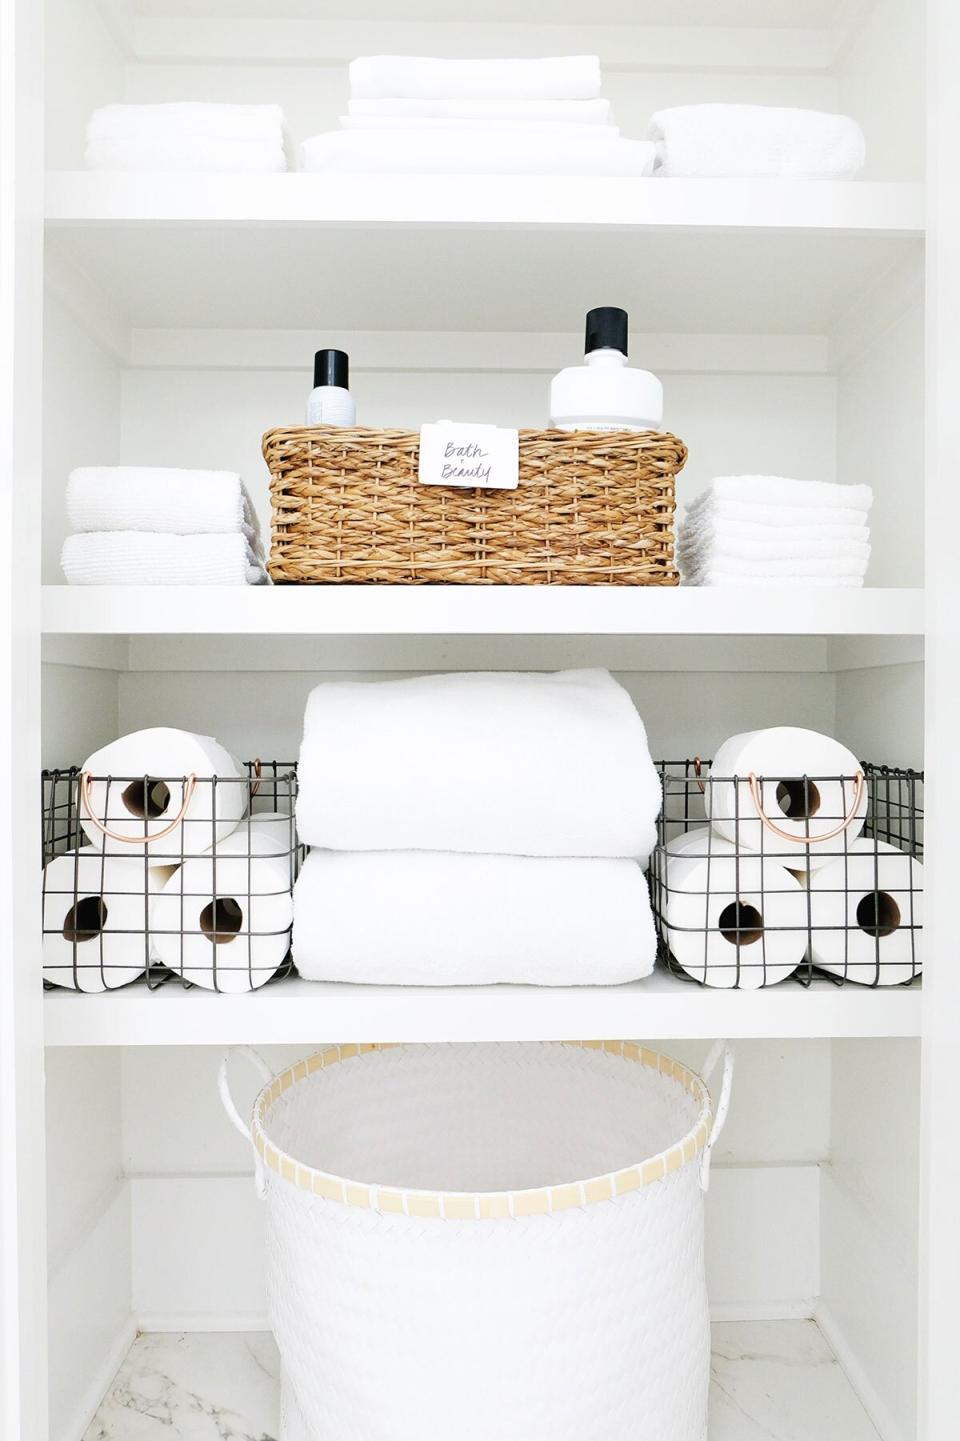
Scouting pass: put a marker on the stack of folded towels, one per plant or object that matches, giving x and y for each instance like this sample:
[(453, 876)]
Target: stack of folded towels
[(145, 525), (190, 135), (469, 829), (756, 141), (764, 530), (526, 117)]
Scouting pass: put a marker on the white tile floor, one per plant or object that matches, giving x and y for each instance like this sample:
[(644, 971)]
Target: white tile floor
[(772, 1381)]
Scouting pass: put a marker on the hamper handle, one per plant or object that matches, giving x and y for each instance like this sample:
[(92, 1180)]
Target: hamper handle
[(230, 1106), (757, 797), (720, 1050), (86, 781)]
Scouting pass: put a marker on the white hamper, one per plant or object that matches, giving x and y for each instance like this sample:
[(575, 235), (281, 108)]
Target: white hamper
[(488, 1241)]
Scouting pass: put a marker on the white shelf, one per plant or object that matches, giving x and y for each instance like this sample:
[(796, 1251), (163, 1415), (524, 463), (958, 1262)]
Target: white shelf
[(770, 1380), (306, 1012), (478, 610), (479, 253)]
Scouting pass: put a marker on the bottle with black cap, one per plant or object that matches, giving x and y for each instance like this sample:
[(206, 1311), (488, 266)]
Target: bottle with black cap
[(604, 393), (330, 400)]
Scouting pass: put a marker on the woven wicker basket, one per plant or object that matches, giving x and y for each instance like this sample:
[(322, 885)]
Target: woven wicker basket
[(592, 508)]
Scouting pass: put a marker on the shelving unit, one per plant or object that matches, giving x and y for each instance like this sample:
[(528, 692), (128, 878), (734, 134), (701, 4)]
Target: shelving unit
[(800, 328)]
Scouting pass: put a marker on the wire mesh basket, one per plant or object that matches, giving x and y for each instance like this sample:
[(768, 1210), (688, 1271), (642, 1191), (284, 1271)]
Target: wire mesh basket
[(831, 882), (213, 909)]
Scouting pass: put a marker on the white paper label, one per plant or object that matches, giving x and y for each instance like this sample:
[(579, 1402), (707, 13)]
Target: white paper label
[(463, 454)]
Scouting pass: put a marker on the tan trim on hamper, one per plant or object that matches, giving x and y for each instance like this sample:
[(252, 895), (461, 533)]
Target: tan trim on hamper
[(484, 1205), (591, 508)]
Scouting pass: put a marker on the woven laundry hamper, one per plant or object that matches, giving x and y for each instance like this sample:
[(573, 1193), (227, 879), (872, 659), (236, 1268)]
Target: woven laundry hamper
[(488, 1241)]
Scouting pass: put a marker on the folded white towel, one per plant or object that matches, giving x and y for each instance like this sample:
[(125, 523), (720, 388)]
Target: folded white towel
[(759, 141), (776, 517), (735, 580), (184, 154), (450, 153), (426, 918), (156, 498), (509, 763), (787, 565), (190, 120), (775, 547), (134, 557), (564, 77), (714, 527), (570, 112), (479, 125), (776, 490)]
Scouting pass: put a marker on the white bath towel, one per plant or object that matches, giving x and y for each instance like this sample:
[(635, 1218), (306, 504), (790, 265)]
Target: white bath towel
[(436, 919), (756, 141), (156, 498), (774, 547), (714, 527), (508, 763), (735, 580), (134, 557), (450, 153), (185, 154), (781, 566), (775, 491), (783, 517), (190, 119), (480, 125), (564, 77), (569, 112)]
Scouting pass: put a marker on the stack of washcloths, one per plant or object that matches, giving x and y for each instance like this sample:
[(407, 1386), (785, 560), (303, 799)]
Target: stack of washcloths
[(475, 828), (497, 117), (756, 142), (145, 525), (188, 135), (763, 530)]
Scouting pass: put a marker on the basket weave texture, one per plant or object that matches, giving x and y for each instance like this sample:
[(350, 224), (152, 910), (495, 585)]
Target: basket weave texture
[(591, 508)]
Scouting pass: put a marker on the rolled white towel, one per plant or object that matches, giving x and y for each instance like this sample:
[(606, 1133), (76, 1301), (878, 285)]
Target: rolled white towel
[(564, 77), (756, 141), (134, 557), (495, 153), (570, 112), (156, 498), (185, 154), (777, 490), (506, 763), (437, 919), (190, 120)]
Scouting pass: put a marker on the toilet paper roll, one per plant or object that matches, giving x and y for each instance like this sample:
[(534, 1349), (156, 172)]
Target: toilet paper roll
[(149, 793), (709, 903), (95, 918), (223, 921), (698, 841), (278, 833), (784, 756), (867, 914)]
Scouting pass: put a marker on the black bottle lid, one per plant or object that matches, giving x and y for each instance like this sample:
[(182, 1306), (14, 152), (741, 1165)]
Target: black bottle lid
[(331, 367), (606, 329)]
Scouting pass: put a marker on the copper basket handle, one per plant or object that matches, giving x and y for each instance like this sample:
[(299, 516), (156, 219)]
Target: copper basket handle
[(757, 798), (86, 781), (258, 772)]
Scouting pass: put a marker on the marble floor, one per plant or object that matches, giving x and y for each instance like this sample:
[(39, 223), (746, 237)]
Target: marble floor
[(772, 1381)]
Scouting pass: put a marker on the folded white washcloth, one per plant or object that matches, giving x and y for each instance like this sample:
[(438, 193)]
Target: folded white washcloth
[(191, 120), (564, 77), (570, 112), (775, 547), (156, 498), (507, 763), (427, 918), (780, 567), (756, 141), (734, 580), (776, 517), (134, 557), (184, 154), (713, 526), (776, 490), (496, 153), (479, 125)]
